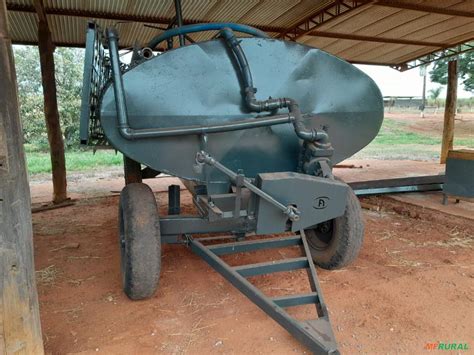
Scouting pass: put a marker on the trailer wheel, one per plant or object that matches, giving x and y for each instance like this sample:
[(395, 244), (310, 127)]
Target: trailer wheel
[(336, 243), (140, 241)]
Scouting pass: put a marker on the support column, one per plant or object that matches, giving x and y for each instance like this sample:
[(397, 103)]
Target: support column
[(55, 137), (449, 110), (132, 171), (20, 328)]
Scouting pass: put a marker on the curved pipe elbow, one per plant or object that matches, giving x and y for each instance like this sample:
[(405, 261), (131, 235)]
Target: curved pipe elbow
[(126, 132), (307, 134)]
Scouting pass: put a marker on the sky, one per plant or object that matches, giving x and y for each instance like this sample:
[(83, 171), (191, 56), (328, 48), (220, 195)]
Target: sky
[(409, 83)]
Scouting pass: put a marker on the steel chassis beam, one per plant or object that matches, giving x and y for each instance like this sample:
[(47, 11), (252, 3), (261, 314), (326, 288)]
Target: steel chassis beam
[(317, 334), (179, 225), (389, 186)]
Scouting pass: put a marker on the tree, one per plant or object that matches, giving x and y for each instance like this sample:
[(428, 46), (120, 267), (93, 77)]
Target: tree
[(434, 94), (69, 66), (439, 73)]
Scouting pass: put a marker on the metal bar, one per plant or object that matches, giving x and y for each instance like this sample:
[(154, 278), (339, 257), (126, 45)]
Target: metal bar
[(314, 282), (87, 83), (321, 16), (398, 182), (224, 127), (353, 37), (318, 341), (178, 225), (272, 266), (296, 300), (119, 91), (398, 189), (291, 211), (423, 8), (179, 20), (455, 49), (253, 245)]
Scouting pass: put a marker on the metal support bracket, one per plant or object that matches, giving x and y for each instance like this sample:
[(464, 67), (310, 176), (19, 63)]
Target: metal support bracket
[(204, 158), (316, 334)]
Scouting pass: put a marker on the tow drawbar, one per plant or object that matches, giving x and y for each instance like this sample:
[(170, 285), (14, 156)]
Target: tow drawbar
[(316, 334)]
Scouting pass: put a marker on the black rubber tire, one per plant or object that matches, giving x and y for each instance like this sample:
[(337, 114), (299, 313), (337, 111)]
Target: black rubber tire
[(341, 243), (140, 241)]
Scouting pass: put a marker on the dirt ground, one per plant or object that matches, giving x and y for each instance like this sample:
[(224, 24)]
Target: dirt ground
[(432, 123), (412, 284)]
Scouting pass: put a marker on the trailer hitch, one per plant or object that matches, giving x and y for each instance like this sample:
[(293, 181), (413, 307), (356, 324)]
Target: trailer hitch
[(205, 158)]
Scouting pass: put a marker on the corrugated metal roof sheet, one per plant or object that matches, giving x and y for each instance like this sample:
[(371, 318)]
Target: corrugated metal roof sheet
[(367, 33)]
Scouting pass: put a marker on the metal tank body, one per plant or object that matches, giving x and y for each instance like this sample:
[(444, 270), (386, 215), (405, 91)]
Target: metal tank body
[(199, 85)]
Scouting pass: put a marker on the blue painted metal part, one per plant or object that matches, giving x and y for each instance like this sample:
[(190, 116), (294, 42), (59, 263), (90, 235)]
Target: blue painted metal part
[(460, 174), (199, 85), (316, 334)]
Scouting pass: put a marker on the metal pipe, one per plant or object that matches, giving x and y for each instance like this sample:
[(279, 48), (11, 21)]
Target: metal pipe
[(204, 158), (129, 133), (119, 92), (307, 134), (226, 127), (179, 20)]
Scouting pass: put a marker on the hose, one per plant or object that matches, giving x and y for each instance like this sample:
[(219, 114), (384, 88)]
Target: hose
[(200, 27)]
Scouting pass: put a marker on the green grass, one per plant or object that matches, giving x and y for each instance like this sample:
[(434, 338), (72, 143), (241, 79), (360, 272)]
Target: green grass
[(396, 141), (39, 162)]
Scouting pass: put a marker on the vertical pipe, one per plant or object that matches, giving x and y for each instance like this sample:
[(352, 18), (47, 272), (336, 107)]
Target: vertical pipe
[(174, 199), (119, 91), (423, 97), (179, 20)]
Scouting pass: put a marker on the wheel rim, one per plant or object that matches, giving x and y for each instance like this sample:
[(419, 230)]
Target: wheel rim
[(321, 236)]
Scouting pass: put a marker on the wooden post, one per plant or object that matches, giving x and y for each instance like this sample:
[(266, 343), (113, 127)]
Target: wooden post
[(449, 110), (55, 137), (20, 328)]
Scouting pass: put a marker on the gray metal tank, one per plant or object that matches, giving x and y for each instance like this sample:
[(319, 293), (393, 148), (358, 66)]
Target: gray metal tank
[(199, 85)]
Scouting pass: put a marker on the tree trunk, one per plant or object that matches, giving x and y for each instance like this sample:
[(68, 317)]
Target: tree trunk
[(449, 110), (55, 138), (20, 328)]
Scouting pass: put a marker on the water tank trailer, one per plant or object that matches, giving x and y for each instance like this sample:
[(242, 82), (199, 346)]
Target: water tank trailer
[(252, 126)]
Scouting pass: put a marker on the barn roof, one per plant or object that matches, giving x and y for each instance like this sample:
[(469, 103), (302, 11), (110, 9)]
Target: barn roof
[(400, 33)]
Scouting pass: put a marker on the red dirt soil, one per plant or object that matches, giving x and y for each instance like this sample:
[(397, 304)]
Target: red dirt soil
[(412, 284)]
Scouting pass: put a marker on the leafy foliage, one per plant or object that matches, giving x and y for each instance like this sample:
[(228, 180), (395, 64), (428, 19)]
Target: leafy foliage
[(69, 65), (434, 93), (439, 73)]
